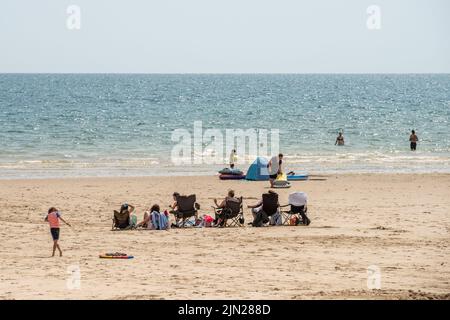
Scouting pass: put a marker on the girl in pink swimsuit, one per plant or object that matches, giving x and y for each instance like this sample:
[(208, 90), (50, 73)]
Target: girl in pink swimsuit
[(53, 217)]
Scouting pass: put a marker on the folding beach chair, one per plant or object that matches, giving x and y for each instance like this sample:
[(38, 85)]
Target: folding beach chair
[(187, 207), (121, 221), (270, 203), (297, 209), (269, 208), (232, 212)]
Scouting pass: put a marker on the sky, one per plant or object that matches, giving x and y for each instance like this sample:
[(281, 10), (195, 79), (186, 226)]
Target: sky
[(225, 36)]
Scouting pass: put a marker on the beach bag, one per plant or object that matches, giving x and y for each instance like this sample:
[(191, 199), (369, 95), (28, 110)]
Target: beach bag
[(208, 221), (205, 221), (133, 221), (293, 221), (159, 221), (198, 222)]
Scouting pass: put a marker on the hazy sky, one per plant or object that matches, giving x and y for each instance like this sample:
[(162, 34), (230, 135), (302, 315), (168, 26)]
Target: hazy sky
[(225, 36)]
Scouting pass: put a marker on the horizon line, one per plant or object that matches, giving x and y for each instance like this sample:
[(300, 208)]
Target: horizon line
[(226, 73)]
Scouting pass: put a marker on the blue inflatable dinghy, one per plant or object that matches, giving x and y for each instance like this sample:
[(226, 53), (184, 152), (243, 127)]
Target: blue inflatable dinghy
[(297, 177)]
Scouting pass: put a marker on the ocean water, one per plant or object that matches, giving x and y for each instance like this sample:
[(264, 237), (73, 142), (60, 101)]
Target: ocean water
[(122, 125)]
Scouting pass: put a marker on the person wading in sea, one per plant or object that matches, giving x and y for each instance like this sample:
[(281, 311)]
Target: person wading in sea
[(339, 139), (413, 139)]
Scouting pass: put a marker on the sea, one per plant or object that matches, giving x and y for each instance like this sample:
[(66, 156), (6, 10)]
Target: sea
[(89, 125)]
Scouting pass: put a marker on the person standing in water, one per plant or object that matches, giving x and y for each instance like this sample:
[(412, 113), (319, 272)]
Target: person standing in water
[(413, 139), (274, 167), (339, 139), (233, 158)]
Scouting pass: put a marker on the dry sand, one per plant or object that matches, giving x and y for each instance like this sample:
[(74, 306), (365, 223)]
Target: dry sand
[(398, 222)]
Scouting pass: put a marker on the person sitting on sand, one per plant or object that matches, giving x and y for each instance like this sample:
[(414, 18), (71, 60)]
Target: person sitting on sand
[(230, 196), (126, 208), (339, 139), (154, 219), (146, 222), (174, 209), (131, 212), (257, 208), (53, 217), (174, 205), (413, 139), (220, 219)]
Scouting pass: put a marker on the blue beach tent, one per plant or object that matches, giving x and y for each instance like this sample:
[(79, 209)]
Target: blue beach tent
[(258, 170)]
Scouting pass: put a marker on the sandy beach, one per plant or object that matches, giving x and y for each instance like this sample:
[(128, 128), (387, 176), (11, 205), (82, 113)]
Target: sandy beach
[(397, 222)]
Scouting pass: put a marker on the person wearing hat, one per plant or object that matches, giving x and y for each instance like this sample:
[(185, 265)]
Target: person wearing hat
[(126, 207)]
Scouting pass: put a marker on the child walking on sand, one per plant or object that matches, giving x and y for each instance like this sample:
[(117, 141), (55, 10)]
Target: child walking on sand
[(53, 218)]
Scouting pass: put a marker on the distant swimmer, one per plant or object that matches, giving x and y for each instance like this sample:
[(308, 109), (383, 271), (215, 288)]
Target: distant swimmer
[(339, 139), (413, 139)]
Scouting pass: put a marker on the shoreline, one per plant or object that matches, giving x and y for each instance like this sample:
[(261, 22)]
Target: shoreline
[(194, 176), (215, 174)]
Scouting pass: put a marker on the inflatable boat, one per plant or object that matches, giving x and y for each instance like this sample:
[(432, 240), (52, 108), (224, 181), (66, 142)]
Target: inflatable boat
[(297, 177), (281, 185), (231, 171), (232, 176)]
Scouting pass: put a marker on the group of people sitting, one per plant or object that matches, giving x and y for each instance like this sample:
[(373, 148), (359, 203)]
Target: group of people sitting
[(126, 218), (227, 212)]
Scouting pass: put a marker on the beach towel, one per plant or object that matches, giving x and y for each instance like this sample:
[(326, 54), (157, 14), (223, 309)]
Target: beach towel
[(189, 222), (116, 255), (133, 221), (159, 220)]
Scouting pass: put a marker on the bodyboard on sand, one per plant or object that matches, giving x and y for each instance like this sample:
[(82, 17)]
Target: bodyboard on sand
[(280, 186), (115, 256), (297, 177), (281, 181)]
